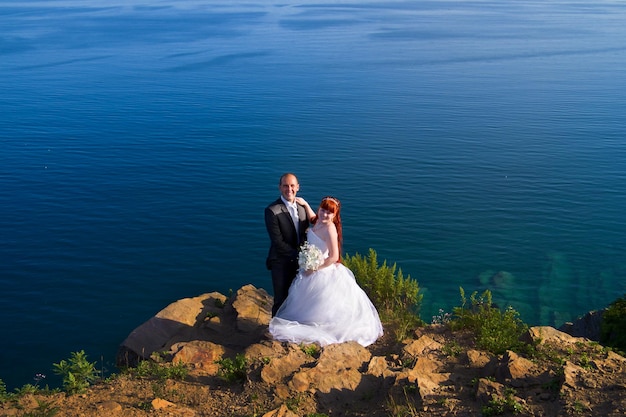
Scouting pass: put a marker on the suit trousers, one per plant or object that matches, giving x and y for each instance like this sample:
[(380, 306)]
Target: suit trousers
[(283, 273)]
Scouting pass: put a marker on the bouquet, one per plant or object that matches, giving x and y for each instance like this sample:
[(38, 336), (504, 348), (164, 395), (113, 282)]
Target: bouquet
[(310, 257)]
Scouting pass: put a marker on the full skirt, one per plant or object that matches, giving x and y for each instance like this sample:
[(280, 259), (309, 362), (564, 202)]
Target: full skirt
[(325, 307)]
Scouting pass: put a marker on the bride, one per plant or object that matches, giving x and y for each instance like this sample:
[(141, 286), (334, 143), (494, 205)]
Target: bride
[(326, 305)]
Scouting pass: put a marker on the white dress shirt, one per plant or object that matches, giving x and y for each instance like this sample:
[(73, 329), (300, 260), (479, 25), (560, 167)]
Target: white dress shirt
[(293, 210)]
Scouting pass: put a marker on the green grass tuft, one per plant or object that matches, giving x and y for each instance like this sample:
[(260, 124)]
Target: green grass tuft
[(495, 330), (398, 299)]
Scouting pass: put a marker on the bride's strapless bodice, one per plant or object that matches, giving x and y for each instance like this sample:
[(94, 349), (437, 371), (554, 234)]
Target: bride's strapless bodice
[(317, 241)]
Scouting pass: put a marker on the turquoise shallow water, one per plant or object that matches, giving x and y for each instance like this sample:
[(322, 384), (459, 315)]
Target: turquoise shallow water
[(475, 144)]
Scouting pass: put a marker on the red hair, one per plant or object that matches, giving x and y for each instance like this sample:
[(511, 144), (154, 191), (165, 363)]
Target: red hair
[(332, 205)]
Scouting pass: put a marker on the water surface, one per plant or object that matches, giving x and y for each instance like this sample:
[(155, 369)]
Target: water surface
[(476, 144)]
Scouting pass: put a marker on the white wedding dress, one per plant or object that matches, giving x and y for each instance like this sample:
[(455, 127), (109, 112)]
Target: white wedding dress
[(326, 306)]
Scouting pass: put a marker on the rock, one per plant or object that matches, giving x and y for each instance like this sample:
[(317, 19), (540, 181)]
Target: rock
[(426, 366), (199, 354), (503, 279), (253, 308), (514, 369), (417, 374), (571, 373), (425, 375), (109, 408), (421, 346), (279, 368), (587, 326), (547, 334), (159, 403), (477, 358), (487, 389), (209, 317), (171, 408), (300, 382), (617, 359), (282, 391), (378, 367), (174, 320), (348, 355), (266, 350), (337, 368), (283, 411)]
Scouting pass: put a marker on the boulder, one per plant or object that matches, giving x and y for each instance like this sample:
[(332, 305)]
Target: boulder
[(156, 334), (284, 366), (379, 368), (239, 321), (199, 355), (338, 368), (477, 358), (548, 334), (487, 389), (253, 308), (421, 346), (514, 369), (425, 374), (587, 326)]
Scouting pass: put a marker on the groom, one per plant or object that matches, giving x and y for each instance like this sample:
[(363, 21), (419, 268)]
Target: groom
[(286, 224)]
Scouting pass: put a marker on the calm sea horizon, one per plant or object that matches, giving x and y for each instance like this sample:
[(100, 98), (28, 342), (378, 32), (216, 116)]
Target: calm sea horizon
[(474, 144)]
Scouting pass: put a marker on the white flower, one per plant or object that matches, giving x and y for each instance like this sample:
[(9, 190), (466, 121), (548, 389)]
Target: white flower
[(310, 257)]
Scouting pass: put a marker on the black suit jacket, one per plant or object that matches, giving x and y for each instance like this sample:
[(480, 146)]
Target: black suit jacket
[(284, 244)]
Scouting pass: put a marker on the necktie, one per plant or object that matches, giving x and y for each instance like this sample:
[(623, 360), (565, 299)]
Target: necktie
[(293, 210)]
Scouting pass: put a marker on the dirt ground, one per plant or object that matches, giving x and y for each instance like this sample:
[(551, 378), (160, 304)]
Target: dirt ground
[(601, 391)]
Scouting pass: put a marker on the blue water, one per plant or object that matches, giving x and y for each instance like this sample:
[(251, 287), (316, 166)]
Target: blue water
[(474, 143)]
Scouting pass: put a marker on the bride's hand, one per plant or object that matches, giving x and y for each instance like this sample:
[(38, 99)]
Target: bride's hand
[(309, 211)]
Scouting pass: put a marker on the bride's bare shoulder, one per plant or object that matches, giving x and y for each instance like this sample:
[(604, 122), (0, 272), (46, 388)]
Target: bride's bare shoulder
[(331, 227)]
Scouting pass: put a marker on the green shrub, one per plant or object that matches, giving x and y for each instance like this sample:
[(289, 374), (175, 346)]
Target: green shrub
[(293, 403), (613, 325), (310, 350), (397, 298), (500, 405), (495, 330), (233, 370), (4, 395), (77, 372), (386, 288), (44, 409), (160, 371), (26, 389)]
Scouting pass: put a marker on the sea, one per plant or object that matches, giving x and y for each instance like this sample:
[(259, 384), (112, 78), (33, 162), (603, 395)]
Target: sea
[(474, 144)]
